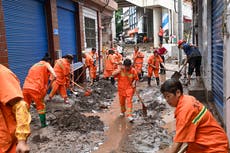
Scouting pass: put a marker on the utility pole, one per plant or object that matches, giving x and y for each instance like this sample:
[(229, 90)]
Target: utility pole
[(180, 27)]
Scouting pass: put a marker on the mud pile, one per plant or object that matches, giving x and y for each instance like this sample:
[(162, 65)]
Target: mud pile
[(100, 99), (71, 120), (148, 134)]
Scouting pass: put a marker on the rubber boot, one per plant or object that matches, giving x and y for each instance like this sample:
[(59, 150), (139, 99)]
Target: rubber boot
[(158, 81), (43, 120), (112, 80), (149, 81)]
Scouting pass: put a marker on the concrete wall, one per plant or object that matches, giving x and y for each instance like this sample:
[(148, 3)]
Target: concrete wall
[(156, 25), (205, 44)]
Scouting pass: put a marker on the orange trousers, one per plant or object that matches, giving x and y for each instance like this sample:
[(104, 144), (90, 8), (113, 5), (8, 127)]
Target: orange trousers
[(138, 67), (126, 101), (151, 71), (31, 95), (93, 72), (61, 88)]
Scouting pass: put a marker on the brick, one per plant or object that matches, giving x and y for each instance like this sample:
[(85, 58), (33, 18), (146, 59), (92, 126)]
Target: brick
[(3, 53)]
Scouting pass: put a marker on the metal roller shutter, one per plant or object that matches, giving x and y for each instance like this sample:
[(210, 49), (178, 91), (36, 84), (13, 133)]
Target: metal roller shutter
[(217, 54), (66, 26), (25, 33)]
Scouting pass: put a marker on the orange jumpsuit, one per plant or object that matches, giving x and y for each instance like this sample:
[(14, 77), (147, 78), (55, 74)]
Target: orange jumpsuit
[(62, 70), (154, 60), (35, 85), (109, 65), (125, 89), (89, 64), (94, 67), (14, 119), (138, 59), (196, 126)]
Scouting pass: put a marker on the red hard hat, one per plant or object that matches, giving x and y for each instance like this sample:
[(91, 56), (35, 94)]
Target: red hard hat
[(180, 42)]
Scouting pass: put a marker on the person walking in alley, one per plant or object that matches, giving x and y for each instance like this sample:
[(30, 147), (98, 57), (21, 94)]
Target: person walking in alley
[(89, 64), (193, 58), (14, 115), (161, 34), (126, 77), (154, 62), (195, 124), (138, 59), (36, 86), (162, 51), (110, 63), (62, 82), (95, 57)]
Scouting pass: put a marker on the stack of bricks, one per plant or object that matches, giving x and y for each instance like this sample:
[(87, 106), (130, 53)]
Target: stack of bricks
[(3, 46)]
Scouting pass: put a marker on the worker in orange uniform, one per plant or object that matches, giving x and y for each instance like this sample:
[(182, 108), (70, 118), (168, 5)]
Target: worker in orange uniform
[(161, 34), (62, 82), (126, 77), (14, 115), (36, 84), (110, 63), (153, 67), (138, 59), (94, 55), (89, 64), (195, 125)]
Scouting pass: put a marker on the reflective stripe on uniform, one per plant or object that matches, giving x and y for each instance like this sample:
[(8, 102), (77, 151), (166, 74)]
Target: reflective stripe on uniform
[(200, 115)]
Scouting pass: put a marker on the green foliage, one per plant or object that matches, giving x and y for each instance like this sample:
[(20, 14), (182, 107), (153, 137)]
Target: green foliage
[(119, 21)]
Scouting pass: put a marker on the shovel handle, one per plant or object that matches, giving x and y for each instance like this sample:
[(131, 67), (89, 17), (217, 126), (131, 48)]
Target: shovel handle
[(78, 85)]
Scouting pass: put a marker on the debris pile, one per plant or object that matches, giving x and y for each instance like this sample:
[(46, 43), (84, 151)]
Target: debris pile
[(148, 134), (100, 99)]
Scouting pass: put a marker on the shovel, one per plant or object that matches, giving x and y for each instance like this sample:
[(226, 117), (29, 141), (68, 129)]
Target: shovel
[(84, 68), (87, 91), (144, 108), (177, 74)]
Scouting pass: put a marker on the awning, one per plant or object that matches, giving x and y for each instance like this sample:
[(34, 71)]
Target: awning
[(135, 30)]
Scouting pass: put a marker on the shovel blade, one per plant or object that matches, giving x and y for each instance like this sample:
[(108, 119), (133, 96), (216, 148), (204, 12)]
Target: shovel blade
[(176, 75)]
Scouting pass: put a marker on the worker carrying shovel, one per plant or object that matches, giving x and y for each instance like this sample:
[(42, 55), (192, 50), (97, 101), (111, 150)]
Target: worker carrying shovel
[(193, 58), (154, 62), (126, 77), (195, 124), (62, 82), (36, 86)]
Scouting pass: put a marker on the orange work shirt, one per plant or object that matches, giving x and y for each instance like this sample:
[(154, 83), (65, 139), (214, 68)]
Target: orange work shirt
[(110, 62), (88, 60), (196, 126), (94, 56), (118, 57), (9, 89), (125, 80), (154, 60), (37, 78), (161, 32), (138, 57), (62, 70)]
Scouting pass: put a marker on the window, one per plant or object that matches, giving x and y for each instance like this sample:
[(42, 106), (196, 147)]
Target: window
[(90, 32)]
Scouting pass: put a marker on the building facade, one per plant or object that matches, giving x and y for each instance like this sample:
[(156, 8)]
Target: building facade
[(31, 28), (212, 35)]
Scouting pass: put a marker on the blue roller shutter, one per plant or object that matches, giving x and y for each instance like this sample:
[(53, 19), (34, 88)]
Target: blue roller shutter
[(66, 26), (25, 33), (217, 54)]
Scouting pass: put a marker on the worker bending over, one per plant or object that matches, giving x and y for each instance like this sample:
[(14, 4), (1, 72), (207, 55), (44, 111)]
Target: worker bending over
[(195, 124), (14, 115), (154, 62), (36, 86), (126, 77), (62, 82), (89, 64)]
